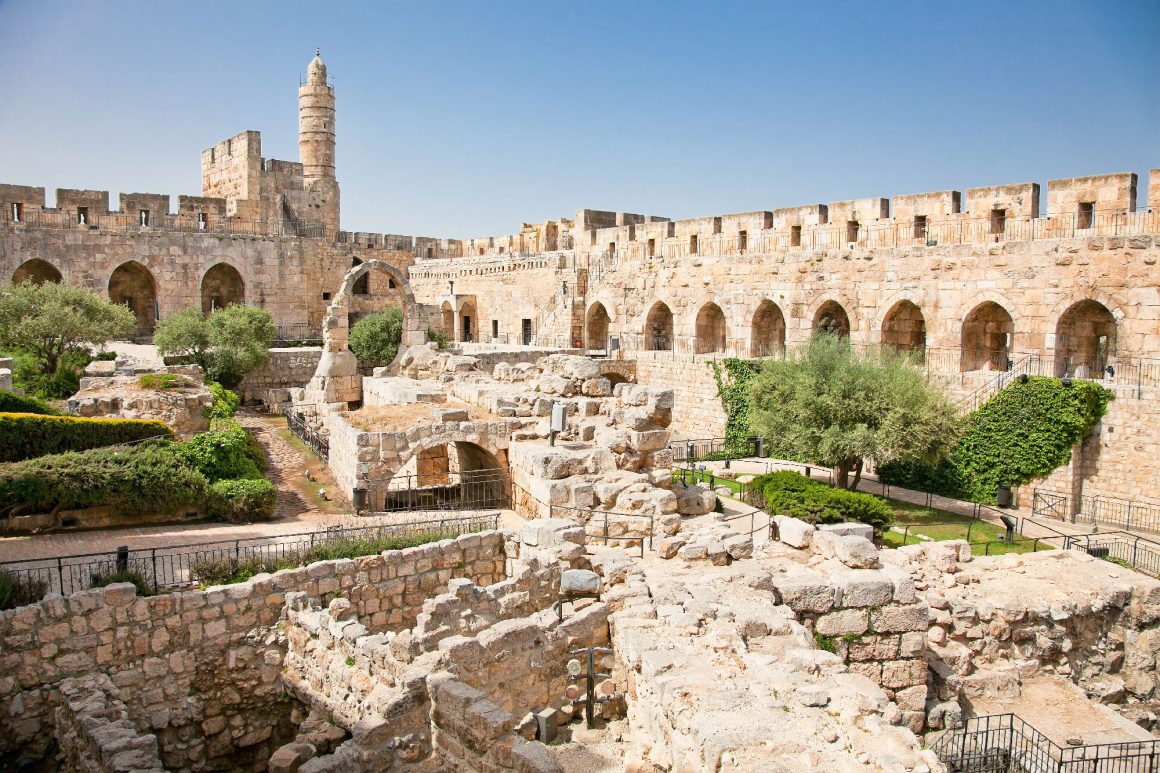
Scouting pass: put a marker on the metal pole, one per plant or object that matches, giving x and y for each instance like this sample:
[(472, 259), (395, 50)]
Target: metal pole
[(590, 700)]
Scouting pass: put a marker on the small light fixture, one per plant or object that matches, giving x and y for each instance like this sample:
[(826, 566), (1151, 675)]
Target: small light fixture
[(1024, 378), (1110, 371), (1066, 380)]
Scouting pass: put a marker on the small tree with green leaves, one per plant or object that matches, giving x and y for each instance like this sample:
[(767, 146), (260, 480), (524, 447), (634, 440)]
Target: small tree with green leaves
[(833, 406), (227, 344), (55, 325), (375, 338)]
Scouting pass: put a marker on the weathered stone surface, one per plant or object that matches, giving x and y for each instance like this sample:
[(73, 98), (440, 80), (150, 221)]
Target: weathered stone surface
[(793, 532)]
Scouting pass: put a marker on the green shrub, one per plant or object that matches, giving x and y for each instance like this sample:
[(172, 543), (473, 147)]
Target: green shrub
[(11, 402), (26, 435), (157, 381), (438, 337), (375, 338), (225, 569), (241, 501), (225, 402), (146, 478), (795, 495), (1024, 432), (122, 575), (18, 590), (226, 452)]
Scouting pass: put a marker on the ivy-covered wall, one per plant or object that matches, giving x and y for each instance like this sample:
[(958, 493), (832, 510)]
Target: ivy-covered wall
[(733, 389), (1022, 433)]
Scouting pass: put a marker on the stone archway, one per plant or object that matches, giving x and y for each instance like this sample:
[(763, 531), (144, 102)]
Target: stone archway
[(336, 382), (832, 318), (221, 286), (448, 315), (904, 328), (658, 328), (450, 470), (1085, 339), (986, 340), (710, 332), (468, 322), (767, 337), (596, 323), (132, 284), (37, 271)]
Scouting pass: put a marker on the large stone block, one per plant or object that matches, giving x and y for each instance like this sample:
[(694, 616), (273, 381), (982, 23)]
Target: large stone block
[(794, 532), (862, 588)]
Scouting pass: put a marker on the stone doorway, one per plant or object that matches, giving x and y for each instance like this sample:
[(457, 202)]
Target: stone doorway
[(132, 285)]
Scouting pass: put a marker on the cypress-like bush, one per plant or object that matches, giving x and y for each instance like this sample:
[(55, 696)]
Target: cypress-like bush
[(790, 493), (149, 478), (27, 435)]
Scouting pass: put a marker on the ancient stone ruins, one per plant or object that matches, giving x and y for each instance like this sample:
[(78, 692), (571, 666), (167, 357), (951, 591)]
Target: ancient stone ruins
[(699, 632)]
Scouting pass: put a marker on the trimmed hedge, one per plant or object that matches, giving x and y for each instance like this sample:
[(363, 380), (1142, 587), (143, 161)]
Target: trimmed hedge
[(148, 478), (1022, 433), (11, 402), (790, 493), (241, 501), (27, 435)]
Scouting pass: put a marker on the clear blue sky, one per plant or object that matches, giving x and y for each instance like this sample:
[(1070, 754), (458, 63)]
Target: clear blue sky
[(468, 118)]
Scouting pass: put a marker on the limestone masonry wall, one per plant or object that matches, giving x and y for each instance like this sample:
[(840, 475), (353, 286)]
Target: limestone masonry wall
[(202, 668)]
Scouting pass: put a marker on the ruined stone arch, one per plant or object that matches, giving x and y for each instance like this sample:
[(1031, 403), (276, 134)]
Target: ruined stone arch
[(596, 322), (132, 284), (221, 285), (37, 270), (831, 315), (336, 380), (767, 330), (448, 318), (658, 328), (988, 335), (1085, 339), (710, 332), (903, 327)]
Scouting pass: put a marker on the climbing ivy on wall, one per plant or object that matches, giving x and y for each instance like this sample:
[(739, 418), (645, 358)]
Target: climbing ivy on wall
[(733, 389), (1023, 432)]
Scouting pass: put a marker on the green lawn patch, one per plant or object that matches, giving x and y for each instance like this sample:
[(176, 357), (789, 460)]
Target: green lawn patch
[(940, 525)]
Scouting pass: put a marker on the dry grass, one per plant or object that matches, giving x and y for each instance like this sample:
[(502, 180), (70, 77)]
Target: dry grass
[(398, 418)]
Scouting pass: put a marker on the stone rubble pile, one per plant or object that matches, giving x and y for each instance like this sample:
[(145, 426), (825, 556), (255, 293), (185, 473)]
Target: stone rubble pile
[(117, 394)]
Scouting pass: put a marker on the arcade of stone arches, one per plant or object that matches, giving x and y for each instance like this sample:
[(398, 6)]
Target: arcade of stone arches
[(1084, 335)]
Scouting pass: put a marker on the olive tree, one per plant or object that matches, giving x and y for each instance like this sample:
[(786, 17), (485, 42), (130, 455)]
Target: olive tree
[(831, 405), (227, 344), (50, 321)]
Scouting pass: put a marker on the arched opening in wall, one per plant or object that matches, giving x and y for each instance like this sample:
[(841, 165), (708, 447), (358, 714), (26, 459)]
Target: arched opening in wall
[(468, 320), (131, 284), (987, 335), (221, 286), (615, 378), (448, 321), (768, 336), (596, 323), (37, 271), (374, 291), (658, 328), (460, 475), (362, 285), (710, 331), (904, 328), (832, 318), (1085, 339)]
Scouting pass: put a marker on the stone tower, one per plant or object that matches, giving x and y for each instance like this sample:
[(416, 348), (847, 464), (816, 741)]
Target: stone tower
[(316, 144)]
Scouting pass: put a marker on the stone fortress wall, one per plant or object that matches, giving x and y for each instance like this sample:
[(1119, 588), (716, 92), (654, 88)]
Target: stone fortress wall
[(973, 280)]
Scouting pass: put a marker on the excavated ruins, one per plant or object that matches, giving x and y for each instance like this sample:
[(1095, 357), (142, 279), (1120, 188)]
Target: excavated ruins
[(709, 636)]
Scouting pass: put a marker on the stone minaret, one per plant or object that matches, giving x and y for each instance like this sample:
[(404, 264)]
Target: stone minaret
[(316, 143)]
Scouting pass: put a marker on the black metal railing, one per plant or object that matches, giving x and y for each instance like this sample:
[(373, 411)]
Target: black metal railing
[(713, 449), (464, 490), (303, 421), (1107, 511), (1140, 553), (1000, 743), (165, 567)]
